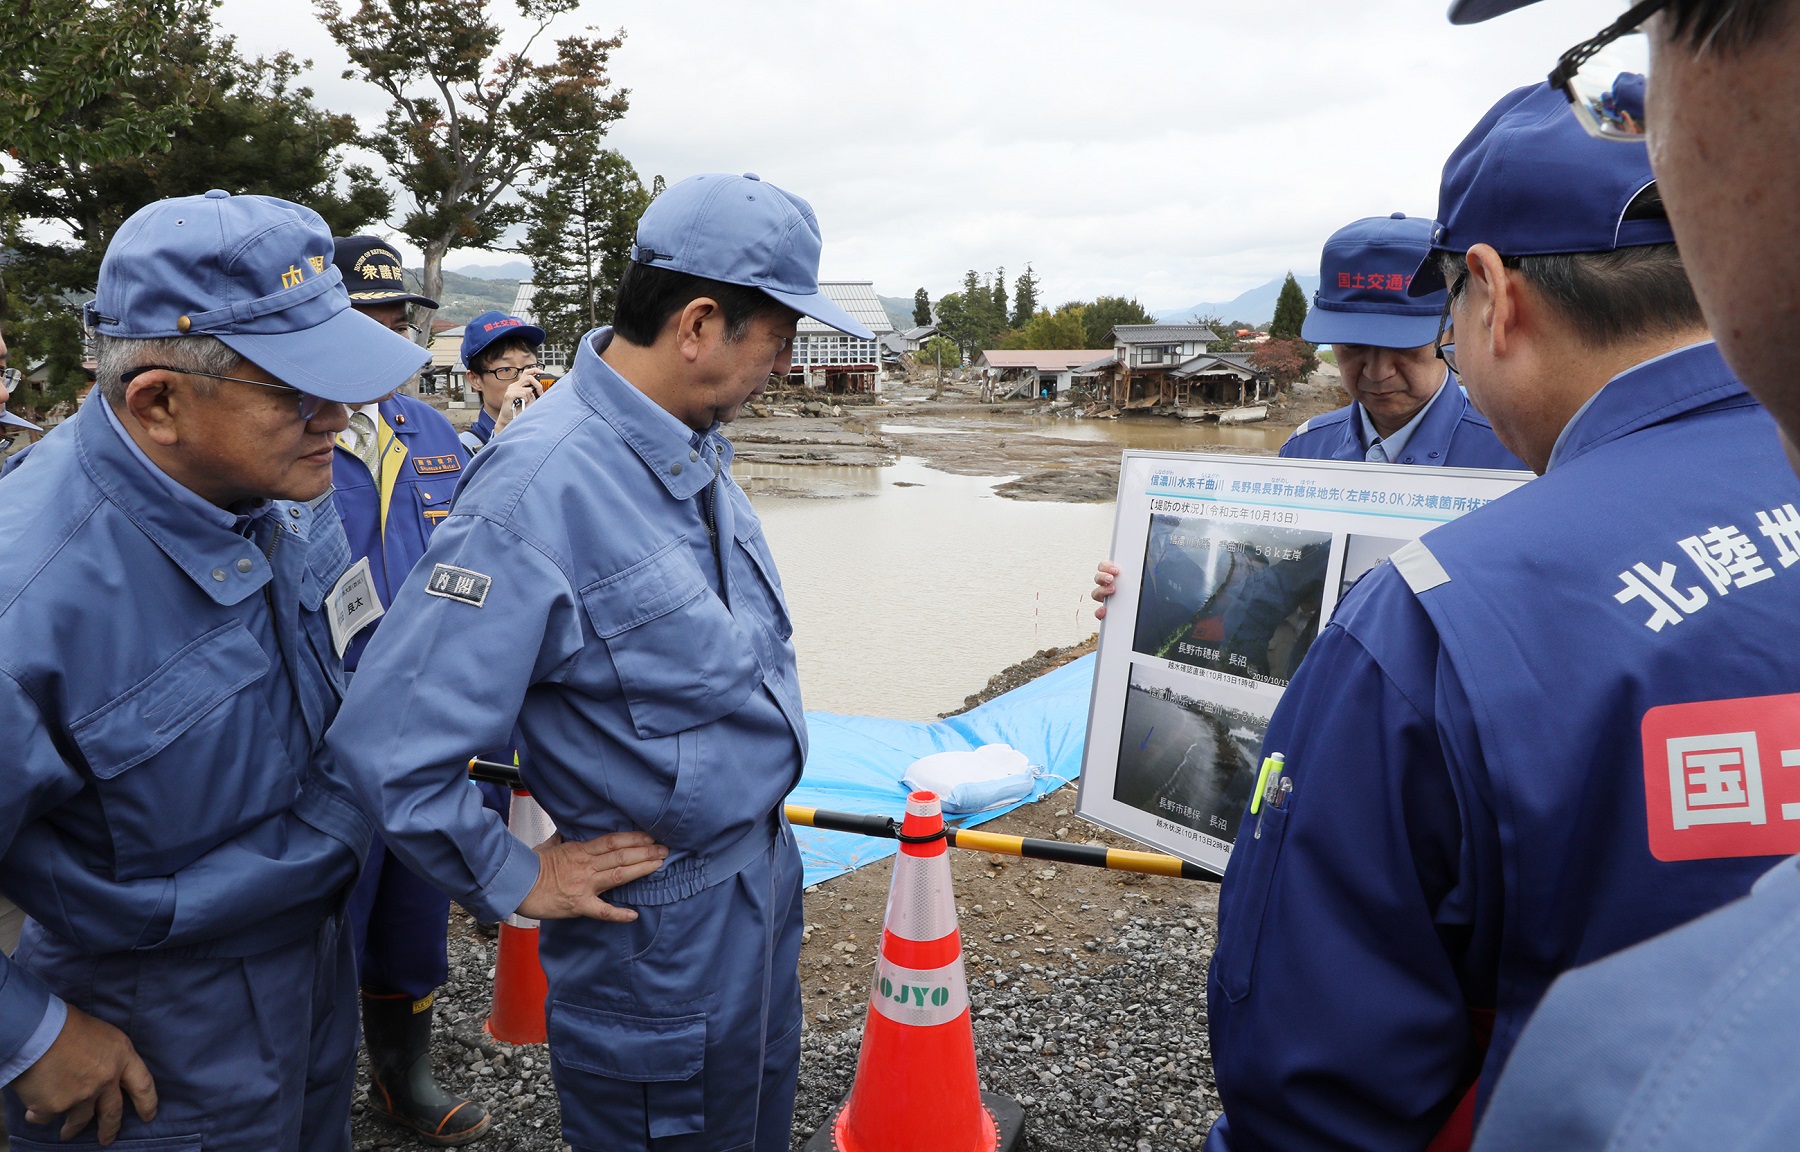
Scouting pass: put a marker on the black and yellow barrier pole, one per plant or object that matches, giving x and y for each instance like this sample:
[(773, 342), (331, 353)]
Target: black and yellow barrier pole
[(887, 828)]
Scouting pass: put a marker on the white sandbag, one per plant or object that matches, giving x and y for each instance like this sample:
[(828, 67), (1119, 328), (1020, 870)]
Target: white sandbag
[(991, 776)]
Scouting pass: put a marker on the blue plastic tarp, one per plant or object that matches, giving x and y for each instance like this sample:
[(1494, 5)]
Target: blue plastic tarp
[(855, 762)]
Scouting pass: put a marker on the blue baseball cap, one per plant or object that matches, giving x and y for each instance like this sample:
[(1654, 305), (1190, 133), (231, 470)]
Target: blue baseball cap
[(741, 230), (1364, 273), (1530, 181), (491, 326), (256, 273)]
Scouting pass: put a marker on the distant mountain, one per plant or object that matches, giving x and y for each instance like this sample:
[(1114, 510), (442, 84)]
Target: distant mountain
[(1257, 305), (466, 297), (899, 310), (511, 270)]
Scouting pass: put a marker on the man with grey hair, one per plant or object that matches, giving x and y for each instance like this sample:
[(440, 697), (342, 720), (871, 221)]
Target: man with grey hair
[(175, 596)]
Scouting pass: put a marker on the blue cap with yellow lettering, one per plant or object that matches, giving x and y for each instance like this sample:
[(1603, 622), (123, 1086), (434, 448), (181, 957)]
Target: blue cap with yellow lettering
[(256, 273)]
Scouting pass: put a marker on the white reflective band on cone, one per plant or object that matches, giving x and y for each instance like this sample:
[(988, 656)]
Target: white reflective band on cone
[(530, 823), (920, 904), (919, 999)]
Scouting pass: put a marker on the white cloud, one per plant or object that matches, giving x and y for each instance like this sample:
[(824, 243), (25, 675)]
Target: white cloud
[(1172, 151)]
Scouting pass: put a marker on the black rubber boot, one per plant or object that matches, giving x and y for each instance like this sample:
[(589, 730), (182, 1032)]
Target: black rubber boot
[(397, 1035)]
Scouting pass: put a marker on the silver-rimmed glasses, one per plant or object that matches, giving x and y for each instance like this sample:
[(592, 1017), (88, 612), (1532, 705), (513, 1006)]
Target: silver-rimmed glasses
[(310, 405)]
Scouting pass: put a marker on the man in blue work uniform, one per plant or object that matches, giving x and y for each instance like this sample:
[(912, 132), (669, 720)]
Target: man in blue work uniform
[(1689, 1039), (629, 614), (1507, 748), (1404, 407), (174, 826), (500, 355), (393, 473)]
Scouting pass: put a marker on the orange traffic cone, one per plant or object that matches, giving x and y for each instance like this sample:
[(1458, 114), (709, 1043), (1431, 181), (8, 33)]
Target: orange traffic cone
[(519, 985), (916, 1089)]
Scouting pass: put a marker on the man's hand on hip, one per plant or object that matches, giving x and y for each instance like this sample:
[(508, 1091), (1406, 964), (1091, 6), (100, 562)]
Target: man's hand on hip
[(572, 875), (84, 1076)]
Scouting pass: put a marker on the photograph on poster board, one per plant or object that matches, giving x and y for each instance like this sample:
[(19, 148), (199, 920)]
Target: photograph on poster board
[(1243, 599), (1361, 554), (1229, 566), (1188, 753)]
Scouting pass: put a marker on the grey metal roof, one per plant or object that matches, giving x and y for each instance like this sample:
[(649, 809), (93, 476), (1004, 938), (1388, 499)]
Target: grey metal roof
[(1162, 333), (856, 297), (920, 334), (1098, 366), (1237, 365), (522, 302)]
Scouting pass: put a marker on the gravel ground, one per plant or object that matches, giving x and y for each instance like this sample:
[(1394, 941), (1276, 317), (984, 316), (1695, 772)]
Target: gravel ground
[(1088, 989)]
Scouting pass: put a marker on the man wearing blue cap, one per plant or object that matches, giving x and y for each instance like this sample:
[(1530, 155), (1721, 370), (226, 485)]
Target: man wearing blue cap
[(629, 615), (168, 579), (396, 466), (1490, 739), (1404, 408), (1688, 1040), (173, 605), (500, 354)]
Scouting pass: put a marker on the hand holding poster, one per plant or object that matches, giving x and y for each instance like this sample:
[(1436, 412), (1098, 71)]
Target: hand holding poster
[(1229, 566)]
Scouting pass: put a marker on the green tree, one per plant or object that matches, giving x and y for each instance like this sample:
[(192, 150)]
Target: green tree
[(969, 317), (469, 121), (249, 128), (579, 230), (938, 349), (1025, 298), (657, 186), (1000, 313), (1103, 314), (921, 309), (1290, 311), (75, 71), (1051, 331)]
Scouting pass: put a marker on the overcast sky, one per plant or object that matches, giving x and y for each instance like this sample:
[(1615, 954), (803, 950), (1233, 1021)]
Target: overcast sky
[(1172, 151)]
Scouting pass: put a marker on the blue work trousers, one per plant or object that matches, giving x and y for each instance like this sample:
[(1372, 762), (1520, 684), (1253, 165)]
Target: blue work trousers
[(680, 1031), (251, 1054), (402, 926)]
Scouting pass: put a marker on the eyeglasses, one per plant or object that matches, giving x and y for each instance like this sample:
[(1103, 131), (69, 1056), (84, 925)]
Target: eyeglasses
[(310, 405), (1604, 78), (10, 377), (1443, 351), (506, 374)]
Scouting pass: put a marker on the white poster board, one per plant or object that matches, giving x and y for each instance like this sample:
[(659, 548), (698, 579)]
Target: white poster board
[(1229, 566)]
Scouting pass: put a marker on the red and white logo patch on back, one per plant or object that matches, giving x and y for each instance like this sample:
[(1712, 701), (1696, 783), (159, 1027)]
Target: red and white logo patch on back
[(1722, 778)]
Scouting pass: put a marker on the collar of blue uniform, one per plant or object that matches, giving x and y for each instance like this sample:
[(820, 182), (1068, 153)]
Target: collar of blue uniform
[(1657, 390), (1396, 444), (200, 543), (664, 443)]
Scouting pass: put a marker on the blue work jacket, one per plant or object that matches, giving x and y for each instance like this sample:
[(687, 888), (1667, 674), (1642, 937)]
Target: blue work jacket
[(650, 669), (1475, 808), (390, 518), (1452, 434), (1688, 1040), (479, 433), (165, 686)]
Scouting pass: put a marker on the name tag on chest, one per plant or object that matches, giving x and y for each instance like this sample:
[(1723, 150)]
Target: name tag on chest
[(352, 605)]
